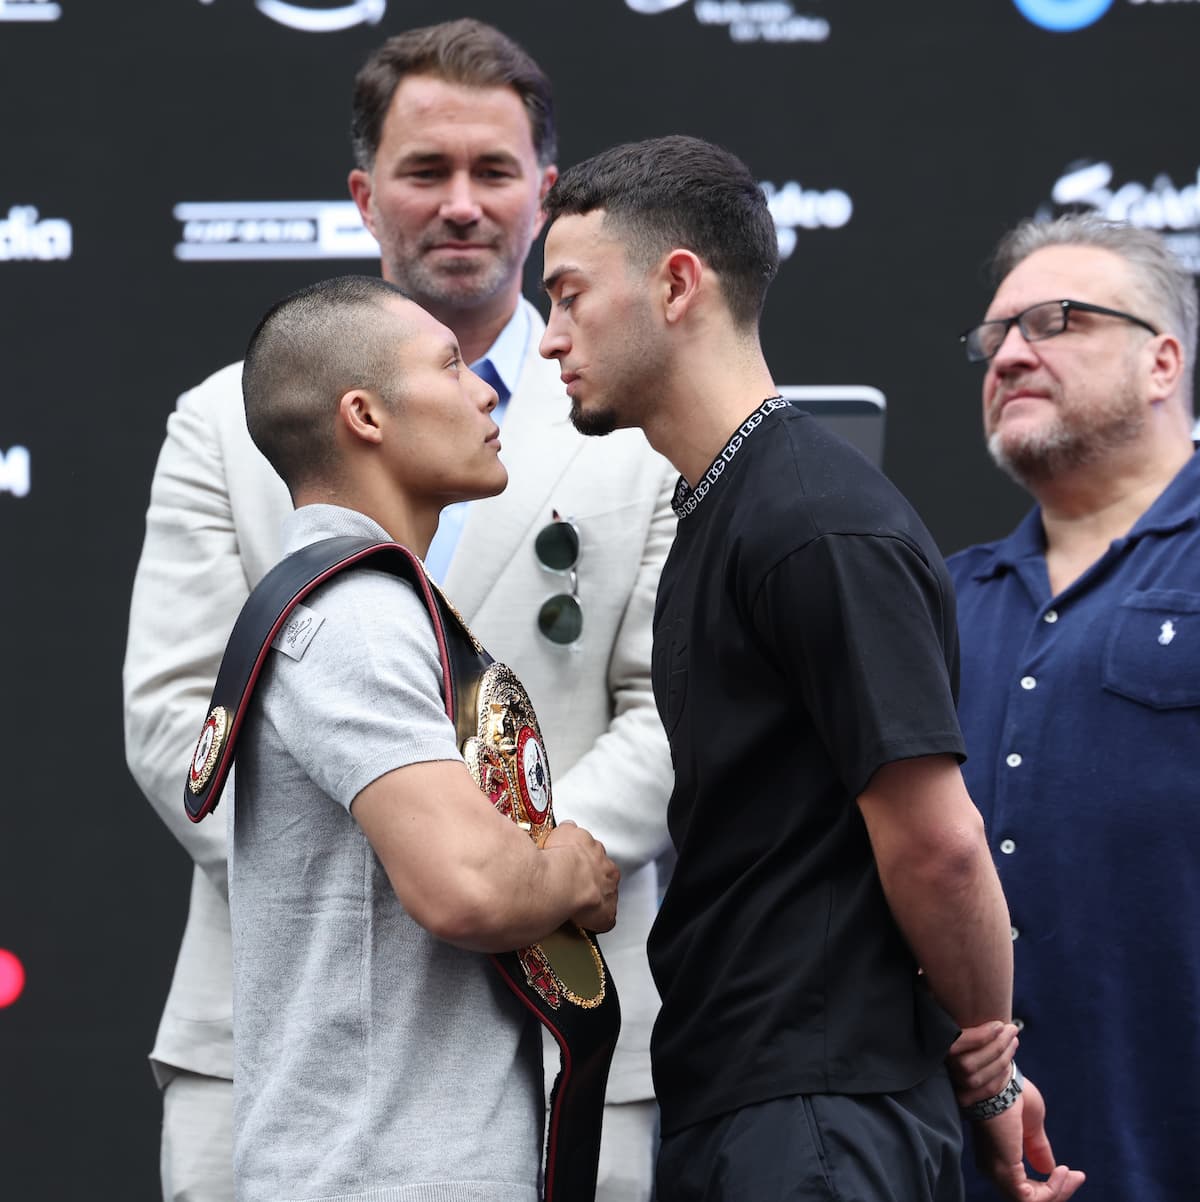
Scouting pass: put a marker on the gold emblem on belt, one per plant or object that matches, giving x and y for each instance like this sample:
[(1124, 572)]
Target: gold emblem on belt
[(507, 760)]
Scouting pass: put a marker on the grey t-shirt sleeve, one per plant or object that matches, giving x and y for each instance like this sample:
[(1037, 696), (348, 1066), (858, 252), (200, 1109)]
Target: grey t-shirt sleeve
[(365, 695)]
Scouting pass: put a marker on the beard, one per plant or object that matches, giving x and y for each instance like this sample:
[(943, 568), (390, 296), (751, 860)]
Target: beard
[(595, 424), (633, 376), (460, 284), (1076, 436), (457, 282)]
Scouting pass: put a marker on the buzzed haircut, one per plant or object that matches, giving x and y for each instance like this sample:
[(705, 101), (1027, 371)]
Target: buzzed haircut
[(680, 191), (1164, 285), (464, 52), (307, 352)]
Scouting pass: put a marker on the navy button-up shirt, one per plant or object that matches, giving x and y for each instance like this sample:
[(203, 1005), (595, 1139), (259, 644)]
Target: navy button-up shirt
[(1081, 714)]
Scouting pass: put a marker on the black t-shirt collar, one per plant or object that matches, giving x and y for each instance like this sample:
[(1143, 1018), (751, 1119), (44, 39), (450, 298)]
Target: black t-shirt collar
[(686, 498)]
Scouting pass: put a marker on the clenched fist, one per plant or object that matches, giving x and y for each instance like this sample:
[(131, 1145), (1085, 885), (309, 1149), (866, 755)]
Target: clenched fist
[(596, 875)]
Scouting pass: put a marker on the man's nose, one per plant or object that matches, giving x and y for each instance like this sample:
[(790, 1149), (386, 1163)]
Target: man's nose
[(554, 342), (482, 389), (1014, 351), (460, 205)]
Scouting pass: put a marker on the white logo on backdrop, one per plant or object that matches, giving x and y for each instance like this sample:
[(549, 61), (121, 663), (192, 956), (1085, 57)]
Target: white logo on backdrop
[(333, 229), (320, 20), (14, 471), (747, 20), (1173, 211), (793, 207), (29, 10), (24, 237), (273, 229)]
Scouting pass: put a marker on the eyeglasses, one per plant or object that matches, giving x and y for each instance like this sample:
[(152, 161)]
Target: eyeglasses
[(556, 546), (1036, 323)]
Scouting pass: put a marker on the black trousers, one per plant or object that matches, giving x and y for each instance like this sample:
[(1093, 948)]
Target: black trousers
[(902, 1147)]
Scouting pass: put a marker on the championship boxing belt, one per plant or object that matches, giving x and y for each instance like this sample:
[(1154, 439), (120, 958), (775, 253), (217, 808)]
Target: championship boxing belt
[(563, 979)]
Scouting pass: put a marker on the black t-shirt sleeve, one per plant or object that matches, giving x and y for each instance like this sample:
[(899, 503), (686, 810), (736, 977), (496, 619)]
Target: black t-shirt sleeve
[(863, 629)]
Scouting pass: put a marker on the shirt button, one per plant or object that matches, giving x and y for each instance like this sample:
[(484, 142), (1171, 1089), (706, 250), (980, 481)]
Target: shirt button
[(1028, 682), (1013, 760), (1007, 846), (1015, 933), (1051, 615), (1019, 1023)]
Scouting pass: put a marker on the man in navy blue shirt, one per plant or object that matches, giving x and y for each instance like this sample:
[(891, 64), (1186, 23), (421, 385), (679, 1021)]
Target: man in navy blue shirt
[(1080, 693)]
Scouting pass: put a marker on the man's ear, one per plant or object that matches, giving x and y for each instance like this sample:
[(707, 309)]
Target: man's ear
[(680, 275), (360, 416), (549, 175), (361, 191), (1166, 367)]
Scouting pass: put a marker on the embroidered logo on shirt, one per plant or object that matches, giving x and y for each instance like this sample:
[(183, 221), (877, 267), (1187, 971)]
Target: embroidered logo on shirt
[(297, 632), (1167, 633)]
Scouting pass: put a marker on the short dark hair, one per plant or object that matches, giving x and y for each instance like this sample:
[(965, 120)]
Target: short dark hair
[(680, 191), (307, 352), (463, 52)]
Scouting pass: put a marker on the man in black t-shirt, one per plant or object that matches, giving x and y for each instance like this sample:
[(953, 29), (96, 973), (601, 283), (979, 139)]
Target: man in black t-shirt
[(805, 662)]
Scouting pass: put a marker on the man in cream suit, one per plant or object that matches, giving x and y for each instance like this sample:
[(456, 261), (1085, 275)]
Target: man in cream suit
[(454, 140)]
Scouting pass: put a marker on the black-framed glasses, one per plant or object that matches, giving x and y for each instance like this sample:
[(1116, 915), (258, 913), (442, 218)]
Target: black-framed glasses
[(1036, 323), (556, 546)]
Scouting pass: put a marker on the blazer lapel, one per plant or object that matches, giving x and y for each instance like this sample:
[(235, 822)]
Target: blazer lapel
[(538, 443)]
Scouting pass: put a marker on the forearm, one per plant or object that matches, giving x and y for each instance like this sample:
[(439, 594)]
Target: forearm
[(469, 875), (955, 919), (509, 894), (941, 885), (521, 905)]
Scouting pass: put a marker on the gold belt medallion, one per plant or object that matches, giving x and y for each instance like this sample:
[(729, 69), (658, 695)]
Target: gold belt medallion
[(507, 760)]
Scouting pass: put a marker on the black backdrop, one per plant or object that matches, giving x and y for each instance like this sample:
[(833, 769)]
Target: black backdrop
[(935, 126)]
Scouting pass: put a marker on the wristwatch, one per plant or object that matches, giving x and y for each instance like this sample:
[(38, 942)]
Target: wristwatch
[(988, 1108)]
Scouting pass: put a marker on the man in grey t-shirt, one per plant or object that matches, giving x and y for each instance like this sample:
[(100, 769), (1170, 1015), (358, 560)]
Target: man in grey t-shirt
[(377, 1055)]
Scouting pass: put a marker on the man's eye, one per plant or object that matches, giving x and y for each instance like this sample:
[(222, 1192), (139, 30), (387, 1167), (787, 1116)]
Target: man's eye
[(564, 302)]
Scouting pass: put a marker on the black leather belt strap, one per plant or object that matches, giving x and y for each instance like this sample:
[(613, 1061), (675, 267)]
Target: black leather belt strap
[(587, 1036)]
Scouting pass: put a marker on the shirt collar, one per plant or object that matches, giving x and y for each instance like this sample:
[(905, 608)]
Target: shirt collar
[(1178, 505), (686, 498), (507, 353), (1025, 542), (310, 523)]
